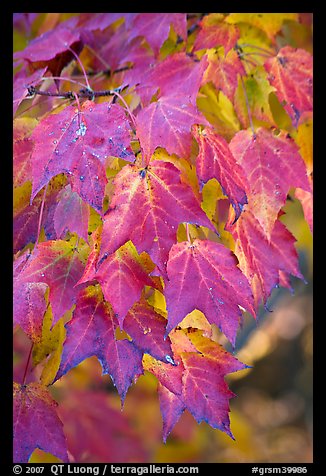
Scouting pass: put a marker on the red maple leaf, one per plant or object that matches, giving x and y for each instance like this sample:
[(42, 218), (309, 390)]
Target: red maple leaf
[(122, 277), (22, 149), (146, 328), (221, 287), (171, 406), (272, 165), (167, 123), (215, 32), (262, 259), (57, 264), (22, 81), (91, 331), (26, 216), (51, 49), (177, 75), (215, 160), (223, 72), (202, 389), (155, 27), (71, 214), (73, 140), (290, 72), (36, 423), (140, 210), (29, 307), (306, 199)]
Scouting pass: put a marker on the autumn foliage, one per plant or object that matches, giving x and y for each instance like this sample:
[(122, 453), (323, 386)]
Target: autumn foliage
[(153, 154)]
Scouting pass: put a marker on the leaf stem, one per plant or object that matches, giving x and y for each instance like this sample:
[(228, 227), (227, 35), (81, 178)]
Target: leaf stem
[(248, 107), (188, 233), (27, 363), (41, 215), (82, 67), (132, 117)]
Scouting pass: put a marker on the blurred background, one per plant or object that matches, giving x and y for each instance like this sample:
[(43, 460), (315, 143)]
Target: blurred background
[(271, 417)]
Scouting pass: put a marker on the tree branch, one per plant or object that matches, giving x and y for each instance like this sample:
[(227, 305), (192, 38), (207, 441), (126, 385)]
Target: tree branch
[(83, 93)]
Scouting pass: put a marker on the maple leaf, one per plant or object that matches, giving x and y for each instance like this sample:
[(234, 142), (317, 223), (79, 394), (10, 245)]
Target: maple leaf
[(253, 93), (49, 346), (215, 160), (167, 123), (22, 81), (36, 423), (306, 199), (122, 277), (270, 23), (146, 328), (29, 307), (52, 49), (22, 149), (100, 21), (290, 72), (221, 287), (215, 32), (171, 406), (140, 210), (260, 258), (73, 140), (27, 216), (155, 27), (177, 75), (205, 391), (91, 331), (200, 388), (304, 139), (223, 71), (167, 374), (57, 264), (71, 214), (272, 165)]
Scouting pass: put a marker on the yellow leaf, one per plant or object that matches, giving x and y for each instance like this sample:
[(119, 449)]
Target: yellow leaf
[(257, 91), (50, 345), (304, 139), (157, 300), (219, 111), (270, 23), (197, 320)]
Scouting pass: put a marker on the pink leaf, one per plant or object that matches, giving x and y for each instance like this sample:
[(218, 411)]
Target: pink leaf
[(221, 287), (215, 160), (167, 123), (155, 27), (36, 423), (90, 332), (272, 165), (146, 328), (71, 214), (290, 72), (140, 210)]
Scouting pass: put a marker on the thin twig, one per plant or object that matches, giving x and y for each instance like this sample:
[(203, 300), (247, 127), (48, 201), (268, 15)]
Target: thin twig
[(82, 93)]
